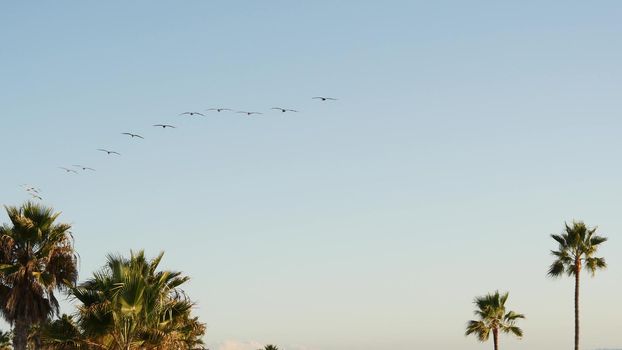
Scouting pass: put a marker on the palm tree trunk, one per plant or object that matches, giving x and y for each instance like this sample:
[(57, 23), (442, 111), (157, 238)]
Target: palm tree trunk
[(495, 337), (576, 305), (20, 336)]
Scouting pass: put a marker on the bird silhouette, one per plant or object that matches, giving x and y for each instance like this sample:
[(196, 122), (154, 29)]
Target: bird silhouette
[(36, 196), (68, 170), (30, 188), (164, 126), (33, 192), (132, 135), (324, 98), (83, 167), (284, 109), (109, 152), (218, 109), (248, 113), (192, 114)]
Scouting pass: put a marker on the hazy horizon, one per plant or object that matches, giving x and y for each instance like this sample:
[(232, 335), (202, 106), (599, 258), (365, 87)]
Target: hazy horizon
[(464, 134)]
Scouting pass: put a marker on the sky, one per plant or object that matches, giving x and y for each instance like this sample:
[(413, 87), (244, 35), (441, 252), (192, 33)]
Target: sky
[(464, 134)]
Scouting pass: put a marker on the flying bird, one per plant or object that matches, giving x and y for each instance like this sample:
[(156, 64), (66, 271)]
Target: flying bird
[(32, 191), (164, 126), (324, 98), (30, 188), (83, 167), (132, 135), (68, 170), (109, 152), (218, 109), (192, 114), (248, 113), (284, 109)]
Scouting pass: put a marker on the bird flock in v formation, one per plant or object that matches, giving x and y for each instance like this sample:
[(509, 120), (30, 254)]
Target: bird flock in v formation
[(35, 192)]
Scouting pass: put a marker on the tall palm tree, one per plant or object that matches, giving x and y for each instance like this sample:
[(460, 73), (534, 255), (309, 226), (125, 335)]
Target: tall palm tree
[(576, 249), (36, 258), (493, 318)]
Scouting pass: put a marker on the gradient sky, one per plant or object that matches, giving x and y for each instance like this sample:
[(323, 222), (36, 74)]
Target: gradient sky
[(465, 133)]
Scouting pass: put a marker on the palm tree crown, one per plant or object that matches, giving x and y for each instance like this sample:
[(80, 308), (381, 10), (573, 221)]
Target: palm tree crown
[(36, 258), (577, 246), (130, 304), (492, 318)]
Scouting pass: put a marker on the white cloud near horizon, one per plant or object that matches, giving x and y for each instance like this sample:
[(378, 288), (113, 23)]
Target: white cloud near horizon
[(252, 345), (238, 345)]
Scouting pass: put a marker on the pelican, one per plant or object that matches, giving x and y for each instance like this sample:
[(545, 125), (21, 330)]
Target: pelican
[(192, 114), (30, 188), (164, 126), (132, 135), (68, 170), (83, 167), (284, 109), (248, 113), (109, 152)]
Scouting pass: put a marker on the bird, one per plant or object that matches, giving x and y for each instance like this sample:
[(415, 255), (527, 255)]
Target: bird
[(164, 126), (132, 135), (248, 113), (192, 113), (36, 196), (30, 188), (83, 167), (218, 109), (109, 152), (324, 98), (32, 191), (68, 170), (284, 109)]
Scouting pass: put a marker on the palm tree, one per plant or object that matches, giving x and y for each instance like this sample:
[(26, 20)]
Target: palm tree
[(36, 258), (493, 318), (270, 347), (129, 304), (576, 249)]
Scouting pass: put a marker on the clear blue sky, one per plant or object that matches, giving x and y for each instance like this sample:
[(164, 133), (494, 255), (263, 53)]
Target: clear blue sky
[(465, 133)]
